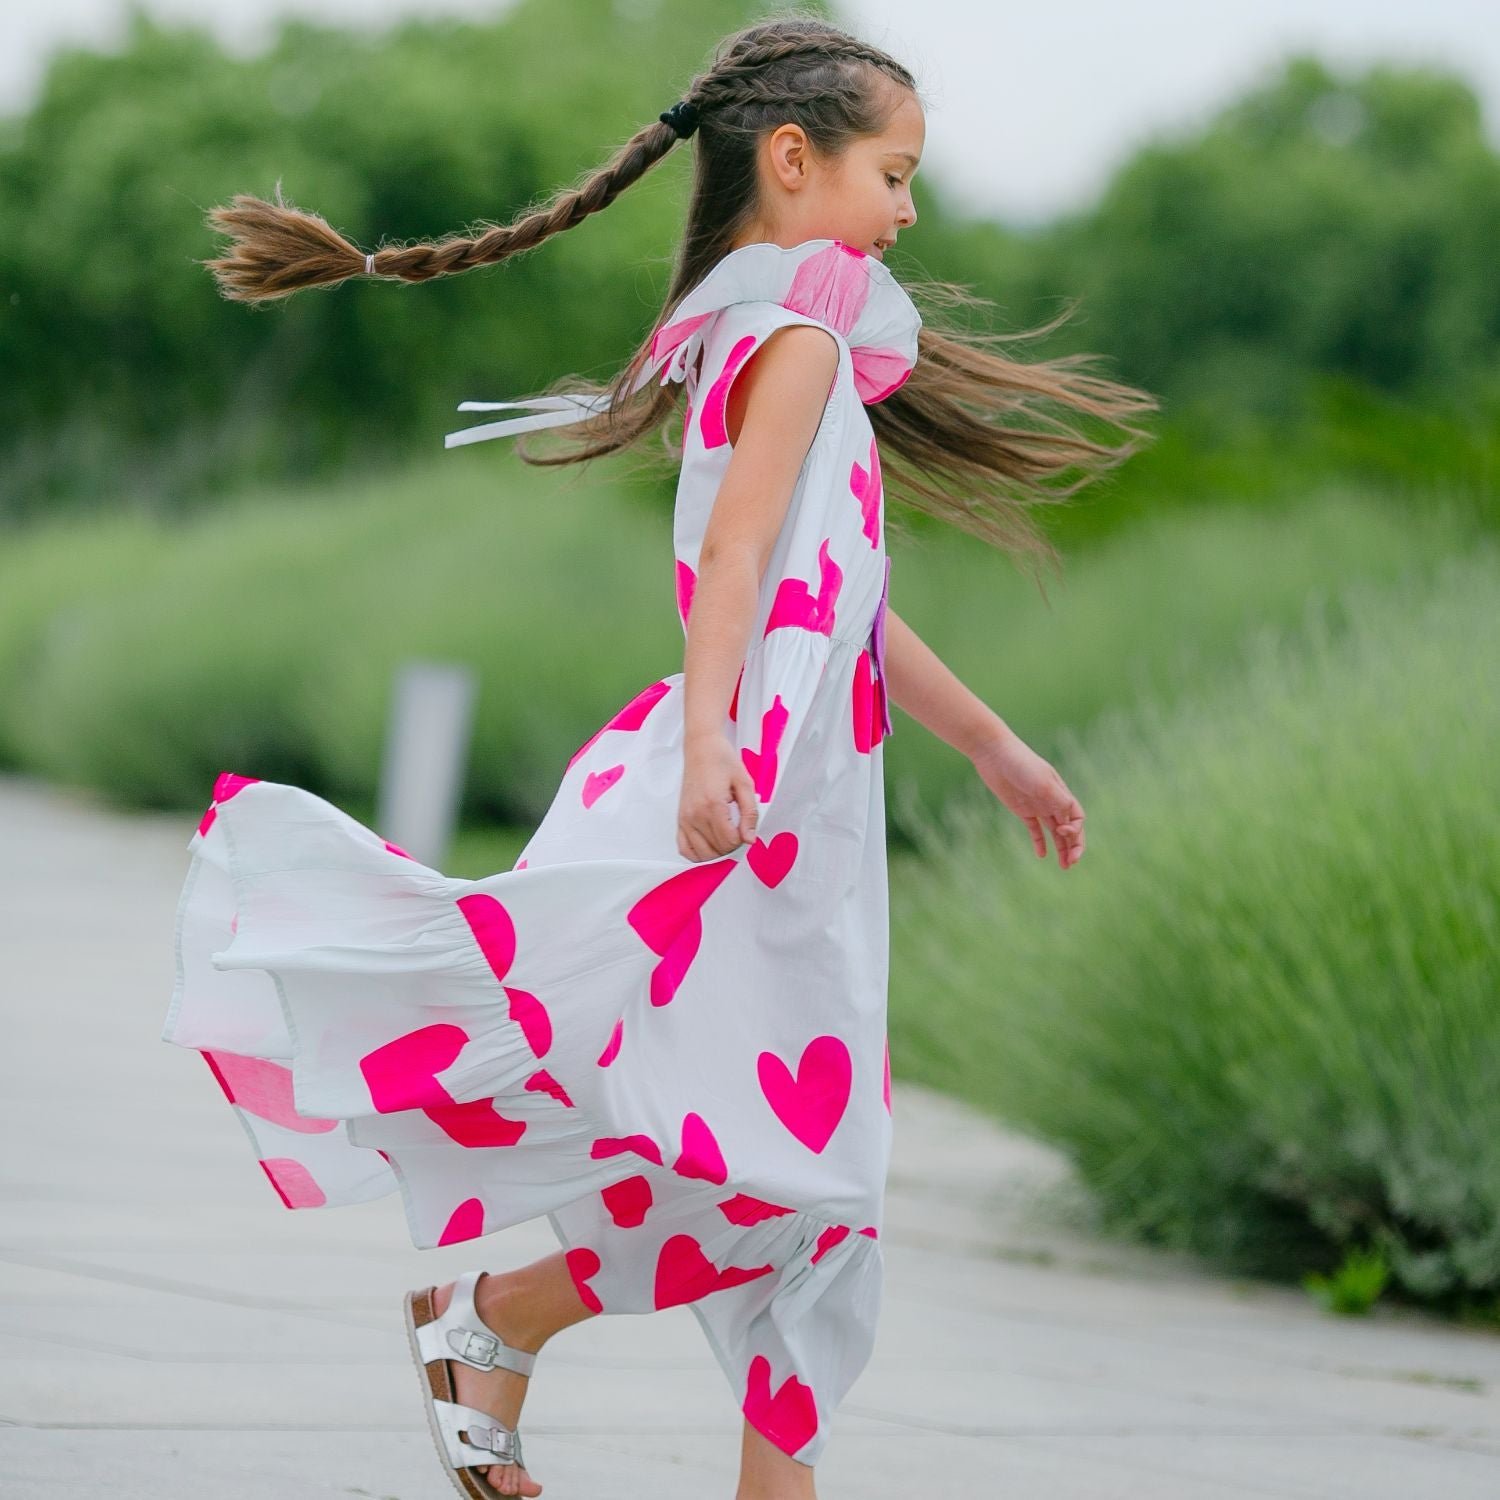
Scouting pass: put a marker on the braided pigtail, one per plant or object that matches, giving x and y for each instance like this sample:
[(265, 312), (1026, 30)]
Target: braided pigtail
[(278, 249)]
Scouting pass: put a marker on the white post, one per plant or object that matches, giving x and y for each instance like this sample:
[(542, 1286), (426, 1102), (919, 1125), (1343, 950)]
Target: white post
[(426, 753)]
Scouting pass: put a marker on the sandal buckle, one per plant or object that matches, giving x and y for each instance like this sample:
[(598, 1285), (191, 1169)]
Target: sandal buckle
[(478, 1348), (501, 1441)]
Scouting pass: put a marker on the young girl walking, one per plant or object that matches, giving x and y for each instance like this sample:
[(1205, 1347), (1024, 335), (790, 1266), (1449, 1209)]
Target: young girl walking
[(665, 1028)]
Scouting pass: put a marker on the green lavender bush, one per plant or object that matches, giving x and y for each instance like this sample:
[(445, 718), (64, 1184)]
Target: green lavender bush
[(143, 657), (1262, 1014)]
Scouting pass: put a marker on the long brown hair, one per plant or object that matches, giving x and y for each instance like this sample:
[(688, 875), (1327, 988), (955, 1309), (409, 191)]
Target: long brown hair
[(970, 437)]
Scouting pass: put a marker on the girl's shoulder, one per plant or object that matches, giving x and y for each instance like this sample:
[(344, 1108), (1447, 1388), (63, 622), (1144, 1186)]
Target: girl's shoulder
[(761, 287)]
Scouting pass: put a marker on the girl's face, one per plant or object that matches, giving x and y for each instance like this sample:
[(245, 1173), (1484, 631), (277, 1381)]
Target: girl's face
[(863, 198)]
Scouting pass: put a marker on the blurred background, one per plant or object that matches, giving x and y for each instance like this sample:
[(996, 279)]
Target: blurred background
[(1261, 1015)]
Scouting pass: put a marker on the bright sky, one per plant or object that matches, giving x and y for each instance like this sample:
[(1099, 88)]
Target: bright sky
[(1031, 105)]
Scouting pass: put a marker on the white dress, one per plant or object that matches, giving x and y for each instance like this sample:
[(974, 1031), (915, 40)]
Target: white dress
[(682, 1064)]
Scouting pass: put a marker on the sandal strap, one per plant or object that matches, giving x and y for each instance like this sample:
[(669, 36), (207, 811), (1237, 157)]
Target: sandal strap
[(461, 1334), (488, 1441)]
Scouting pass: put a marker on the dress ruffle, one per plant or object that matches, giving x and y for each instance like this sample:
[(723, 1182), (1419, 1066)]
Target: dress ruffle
[(365, 1016)]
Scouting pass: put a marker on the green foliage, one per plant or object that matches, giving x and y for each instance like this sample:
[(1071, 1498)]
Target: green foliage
[(1355, 1286), (1320, 225), (1260, 1013), (141, 378), (144, 656), (261, 638), (1323, 234)]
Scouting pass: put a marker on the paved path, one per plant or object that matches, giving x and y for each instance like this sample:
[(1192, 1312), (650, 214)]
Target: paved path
[(167, 1330)]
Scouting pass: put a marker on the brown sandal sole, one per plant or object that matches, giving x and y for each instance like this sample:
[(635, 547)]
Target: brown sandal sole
[(436, 1382)]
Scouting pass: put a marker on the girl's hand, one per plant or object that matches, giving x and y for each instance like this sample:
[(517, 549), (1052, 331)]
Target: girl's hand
[(717, 792), (1030, 787)]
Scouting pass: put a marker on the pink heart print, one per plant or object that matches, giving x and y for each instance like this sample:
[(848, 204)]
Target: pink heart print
[(667, 919), (631, 717), (743, 1209), (790, 1417), (612, 1046), (293, 1182), (864, 482), (614, 1145), (402, 1075), (466, 1222), (226, 785), (812, 1103), (771, 861), (700, 1155), (795, 607), (684, 1273), (596, 783), (628, 1201), (495, 932), (583, 1263), (712, 425), (828, 1239), (762, 763), (264, 1089)]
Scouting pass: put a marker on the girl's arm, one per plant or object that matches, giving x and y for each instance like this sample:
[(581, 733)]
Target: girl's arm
[(772, 414), (1025, 782), (922, 685)]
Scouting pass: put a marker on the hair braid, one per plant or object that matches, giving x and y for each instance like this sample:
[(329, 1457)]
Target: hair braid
[(279, 249), (975, 436)]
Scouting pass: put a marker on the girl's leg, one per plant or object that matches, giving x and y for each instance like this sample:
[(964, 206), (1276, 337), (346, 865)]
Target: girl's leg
[(766, 1473), (525, 1307)]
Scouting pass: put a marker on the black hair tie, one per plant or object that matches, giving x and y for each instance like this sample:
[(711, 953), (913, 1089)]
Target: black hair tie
[(682, 117)]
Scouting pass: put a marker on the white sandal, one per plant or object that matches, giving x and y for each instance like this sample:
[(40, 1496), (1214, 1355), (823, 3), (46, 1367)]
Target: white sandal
[(464, 1437)]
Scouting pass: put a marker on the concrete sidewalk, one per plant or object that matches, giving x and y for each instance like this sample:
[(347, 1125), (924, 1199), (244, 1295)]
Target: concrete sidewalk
[(168, 1330)]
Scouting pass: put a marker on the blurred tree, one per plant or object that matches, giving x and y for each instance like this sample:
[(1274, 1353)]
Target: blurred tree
[(1322, 233)]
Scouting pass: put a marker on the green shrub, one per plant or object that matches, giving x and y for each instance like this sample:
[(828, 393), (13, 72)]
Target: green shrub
[(1261, 1014)]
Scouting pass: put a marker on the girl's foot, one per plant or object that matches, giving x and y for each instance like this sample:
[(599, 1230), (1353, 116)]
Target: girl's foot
[(499, 1392)]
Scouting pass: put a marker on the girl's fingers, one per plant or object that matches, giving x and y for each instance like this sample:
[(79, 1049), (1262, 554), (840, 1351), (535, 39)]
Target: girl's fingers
[(1038, 838)]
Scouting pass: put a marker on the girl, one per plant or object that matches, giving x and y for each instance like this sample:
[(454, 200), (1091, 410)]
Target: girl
[(664, 1029)]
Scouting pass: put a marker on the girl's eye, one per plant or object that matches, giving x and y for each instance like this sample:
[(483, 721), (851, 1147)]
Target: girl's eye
[(894, 181)]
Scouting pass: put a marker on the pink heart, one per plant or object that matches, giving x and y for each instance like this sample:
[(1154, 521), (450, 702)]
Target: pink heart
[(684, 1273), (789, 1418), (402, 1075), (700, 1156), (612, 1046), (772, 861), (828, 1239), (795, 605), (596, 783), (687, 581), (667, 920), (466, 1222), (226, 785), (543, 1082), (264, 1089), (476, 1123), (632, 716), (531, 1016), (743, 1209), (762, 763), (613, 1145), (294, 1182), (493, 930), (627, 1201), (711, 421), (583, 1263), (811, 1104)]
